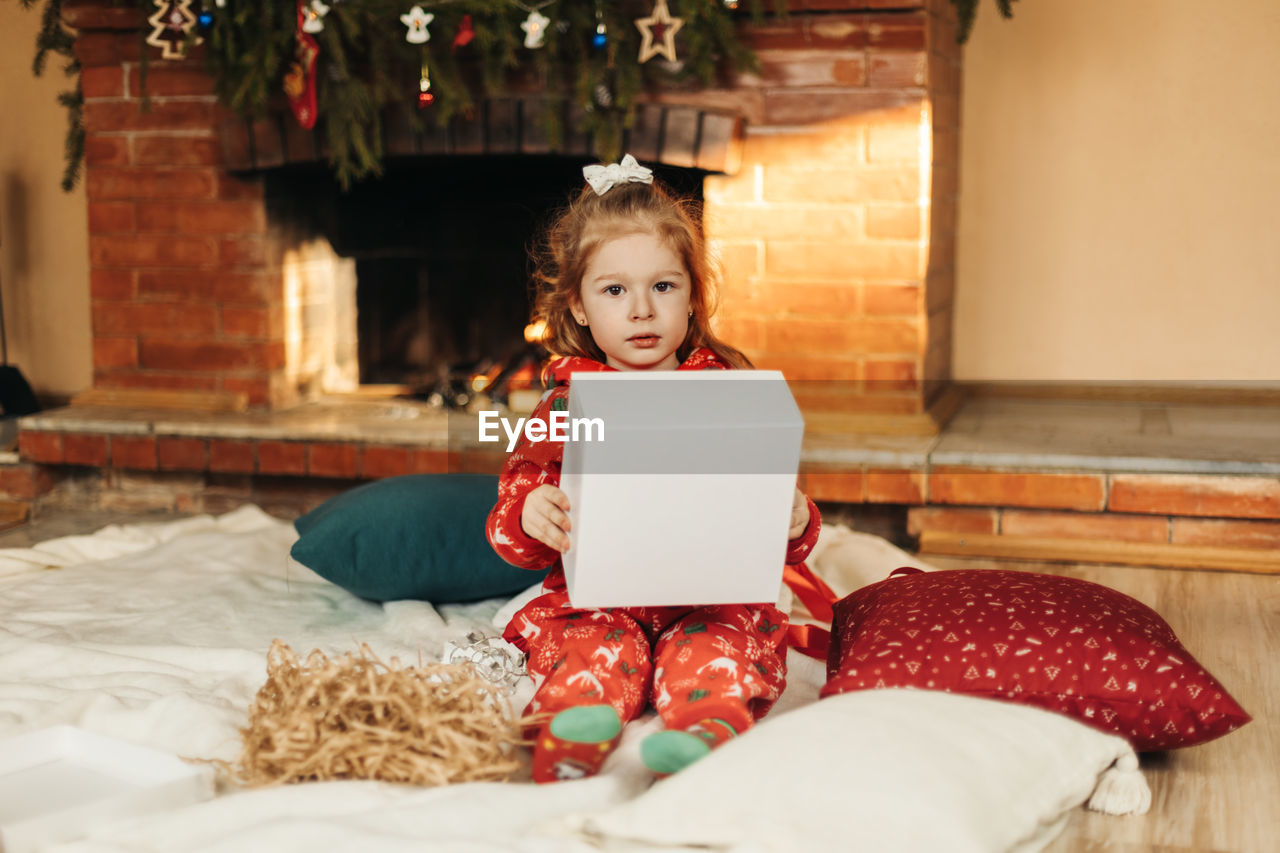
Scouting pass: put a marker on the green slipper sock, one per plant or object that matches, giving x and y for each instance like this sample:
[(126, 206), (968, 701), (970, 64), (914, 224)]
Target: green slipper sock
[(668, 752), (586, 724)]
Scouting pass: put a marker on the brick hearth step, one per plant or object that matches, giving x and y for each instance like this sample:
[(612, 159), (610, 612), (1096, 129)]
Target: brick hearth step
[(995, 483)]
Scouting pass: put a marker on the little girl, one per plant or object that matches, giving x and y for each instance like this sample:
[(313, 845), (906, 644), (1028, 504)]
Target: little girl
[(625, 285)]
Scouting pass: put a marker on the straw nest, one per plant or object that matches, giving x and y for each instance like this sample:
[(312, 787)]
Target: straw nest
[(358, 718)]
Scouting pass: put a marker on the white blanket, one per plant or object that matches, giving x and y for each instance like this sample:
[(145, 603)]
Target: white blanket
[(157, 634)]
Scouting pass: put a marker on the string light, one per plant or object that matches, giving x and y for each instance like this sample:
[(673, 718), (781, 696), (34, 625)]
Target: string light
[(601, 38), (425, 98)]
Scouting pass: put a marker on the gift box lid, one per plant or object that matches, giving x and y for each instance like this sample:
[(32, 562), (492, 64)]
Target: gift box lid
[(704, 422), (58, 783)]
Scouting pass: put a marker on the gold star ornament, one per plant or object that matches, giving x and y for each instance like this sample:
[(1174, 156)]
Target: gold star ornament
[(658, 33)]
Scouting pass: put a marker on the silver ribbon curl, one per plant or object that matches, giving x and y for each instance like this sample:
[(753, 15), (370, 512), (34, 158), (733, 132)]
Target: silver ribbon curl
[(495, 660), (604, 178)]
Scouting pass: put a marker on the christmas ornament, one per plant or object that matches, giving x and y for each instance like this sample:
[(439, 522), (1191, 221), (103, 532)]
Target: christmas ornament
[(315, 17), (417, 21), (658, 33), (204, 21), (602, 96), (425, 98), (466, 32), (535, 29), (731, 4), (172, 22), (300, 82)]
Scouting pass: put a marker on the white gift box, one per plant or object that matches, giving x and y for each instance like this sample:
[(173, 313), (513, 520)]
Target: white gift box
[(680, 486), (57, 784)]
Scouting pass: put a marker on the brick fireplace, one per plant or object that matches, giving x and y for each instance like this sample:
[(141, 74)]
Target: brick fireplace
[(830, 195), (830, 188)]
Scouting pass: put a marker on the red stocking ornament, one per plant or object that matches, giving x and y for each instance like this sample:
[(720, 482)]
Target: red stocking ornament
[(466, 32), (300, 82)]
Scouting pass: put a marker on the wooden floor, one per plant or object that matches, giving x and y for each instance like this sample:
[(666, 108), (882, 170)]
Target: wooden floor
[(1219, 796)]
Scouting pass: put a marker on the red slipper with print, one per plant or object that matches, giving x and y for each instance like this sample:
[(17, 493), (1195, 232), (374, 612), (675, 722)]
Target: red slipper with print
[(575, 743)]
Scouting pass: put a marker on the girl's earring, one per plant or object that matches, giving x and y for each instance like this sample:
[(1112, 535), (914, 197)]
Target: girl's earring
[(582, 321)]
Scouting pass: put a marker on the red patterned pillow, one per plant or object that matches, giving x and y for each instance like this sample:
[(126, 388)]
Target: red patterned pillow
[(1059, 643)]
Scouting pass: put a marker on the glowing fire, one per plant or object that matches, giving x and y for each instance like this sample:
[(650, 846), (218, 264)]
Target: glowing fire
[(523, 378), (535, 331)]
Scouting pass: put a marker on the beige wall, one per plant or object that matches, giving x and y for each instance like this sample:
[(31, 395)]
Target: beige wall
[(1120, 177), (44, 254)]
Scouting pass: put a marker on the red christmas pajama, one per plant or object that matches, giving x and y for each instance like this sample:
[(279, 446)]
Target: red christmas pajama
[(722, 661)]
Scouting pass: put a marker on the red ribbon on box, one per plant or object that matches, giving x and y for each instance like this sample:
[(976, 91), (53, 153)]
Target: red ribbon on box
[(814, 593)]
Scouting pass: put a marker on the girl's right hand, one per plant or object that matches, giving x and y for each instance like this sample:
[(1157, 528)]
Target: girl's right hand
[(546, 517)]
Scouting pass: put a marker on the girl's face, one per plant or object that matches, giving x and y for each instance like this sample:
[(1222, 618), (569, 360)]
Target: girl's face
[(634, 299)]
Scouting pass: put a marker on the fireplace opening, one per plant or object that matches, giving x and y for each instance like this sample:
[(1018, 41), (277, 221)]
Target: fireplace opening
[(422, 278)]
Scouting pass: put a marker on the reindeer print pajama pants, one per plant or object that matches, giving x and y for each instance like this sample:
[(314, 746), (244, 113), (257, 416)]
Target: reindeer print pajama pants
[(722, 661)]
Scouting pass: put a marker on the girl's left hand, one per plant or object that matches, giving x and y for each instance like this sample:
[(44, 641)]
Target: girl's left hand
[(799, 515)]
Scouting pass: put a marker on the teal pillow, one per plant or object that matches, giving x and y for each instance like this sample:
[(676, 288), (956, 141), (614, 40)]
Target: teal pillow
[(420, 536)]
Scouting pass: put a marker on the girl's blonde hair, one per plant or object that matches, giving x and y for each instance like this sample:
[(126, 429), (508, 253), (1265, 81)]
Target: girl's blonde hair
[(587, 223)]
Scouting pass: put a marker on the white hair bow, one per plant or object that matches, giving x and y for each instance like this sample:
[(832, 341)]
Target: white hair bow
[(604, 178)]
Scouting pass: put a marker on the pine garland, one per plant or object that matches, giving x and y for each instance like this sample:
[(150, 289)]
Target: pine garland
[(52, 37), (967, 11), (366, 66)]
